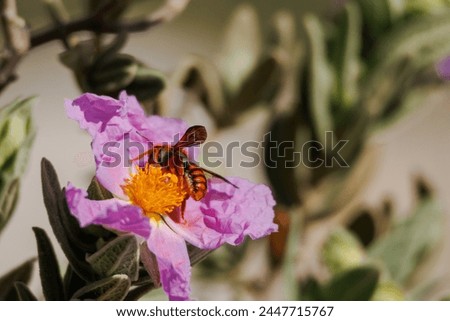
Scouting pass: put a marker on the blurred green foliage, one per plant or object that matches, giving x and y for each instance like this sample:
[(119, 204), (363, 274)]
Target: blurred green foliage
[(16, 137)]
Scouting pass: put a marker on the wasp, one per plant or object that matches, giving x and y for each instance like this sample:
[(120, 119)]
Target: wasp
[(175, 160)]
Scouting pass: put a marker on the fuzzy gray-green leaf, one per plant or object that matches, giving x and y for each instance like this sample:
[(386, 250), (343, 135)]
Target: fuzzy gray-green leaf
[(114, 74), (22, 273), (347, 56), (8, 201), (113, 288), (376, 16), (242, 47), (51, 280), (401, 55), (23, 292), (97, 192), (357, 284), (320, 78), (403, 248), (147, 83), (120, 256)]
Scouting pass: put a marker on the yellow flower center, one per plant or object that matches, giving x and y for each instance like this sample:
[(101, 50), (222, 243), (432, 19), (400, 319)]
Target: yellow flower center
[(155, 191)]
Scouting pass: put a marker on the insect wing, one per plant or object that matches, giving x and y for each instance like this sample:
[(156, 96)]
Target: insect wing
[(194, 135)]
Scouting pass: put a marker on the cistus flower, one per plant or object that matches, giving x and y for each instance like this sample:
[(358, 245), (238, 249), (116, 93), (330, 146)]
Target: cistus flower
[(148, 199), (443, 68)]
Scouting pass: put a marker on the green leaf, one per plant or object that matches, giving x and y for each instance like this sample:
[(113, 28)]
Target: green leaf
[(23, 292), (147, 84), (358, 284), (120, 256), (22, 273), (138, 292), (388, 291), (376, 16), (342, 251), (54, 201), (242, 47), (15, 128), (282, 178), (202, 78), (259, 85), (72, 282), (347, 56), (114, 74), (51, 281), (290, 256), (401, 56), (8, 201), (320, 78), (97, 192), (403, 248), (113, 288)]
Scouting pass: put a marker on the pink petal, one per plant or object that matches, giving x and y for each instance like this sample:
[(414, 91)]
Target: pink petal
[(227, 214), (173, 260), (94, 113), (112, 213)]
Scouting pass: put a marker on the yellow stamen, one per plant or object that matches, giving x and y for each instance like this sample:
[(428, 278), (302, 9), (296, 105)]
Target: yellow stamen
[(156, 192)]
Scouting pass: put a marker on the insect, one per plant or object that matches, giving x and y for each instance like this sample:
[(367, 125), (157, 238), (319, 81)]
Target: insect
[(175, 160)]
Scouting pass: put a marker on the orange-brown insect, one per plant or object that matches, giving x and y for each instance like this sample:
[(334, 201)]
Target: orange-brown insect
[(175, 160)]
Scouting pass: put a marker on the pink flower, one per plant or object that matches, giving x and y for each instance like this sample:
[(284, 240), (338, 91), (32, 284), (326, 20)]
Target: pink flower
[(147, 199)]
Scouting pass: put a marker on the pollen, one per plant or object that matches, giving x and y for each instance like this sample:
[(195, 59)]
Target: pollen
[(156, 192)]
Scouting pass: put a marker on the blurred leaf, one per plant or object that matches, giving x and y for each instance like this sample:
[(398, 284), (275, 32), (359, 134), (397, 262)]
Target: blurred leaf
[(280, 159), (259, 85), (23, 292), (401, 55), (320, 78), (376, 16), (119, 256), (22, 273), (16, 137), (342, 251), (8, 201), (57, 11), (429, 6), (289, 54), (413, 100), (79, 56), (112, 10), (241, 47), (290, 257), (147, 84), (358, 284), (347, 56), (51, 281), (388, 291), (113, 288), (54, 200), (403, 248), (202, 78), (112, 74)]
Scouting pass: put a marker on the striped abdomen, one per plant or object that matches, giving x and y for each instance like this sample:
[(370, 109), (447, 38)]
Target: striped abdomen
[(196, 181)]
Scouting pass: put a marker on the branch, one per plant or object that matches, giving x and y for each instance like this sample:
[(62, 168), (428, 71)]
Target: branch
[(18, 40), (95, 23)]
